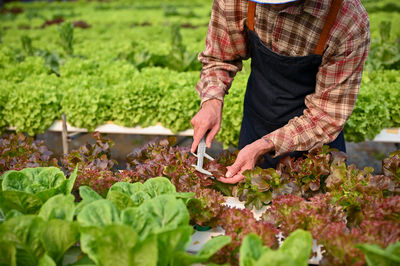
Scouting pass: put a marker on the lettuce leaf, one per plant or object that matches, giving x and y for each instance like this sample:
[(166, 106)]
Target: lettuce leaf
[(28, 189), (295, 250), (375, 255)]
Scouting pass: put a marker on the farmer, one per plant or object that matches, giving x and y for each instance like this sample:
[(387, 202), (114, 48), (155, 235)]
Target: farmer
[(307, 58)]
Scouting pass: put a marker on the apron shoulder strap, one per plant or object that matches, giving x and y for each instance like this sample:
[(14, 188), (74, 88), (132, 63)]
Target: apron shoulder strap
[(250, 15), (330, 20)]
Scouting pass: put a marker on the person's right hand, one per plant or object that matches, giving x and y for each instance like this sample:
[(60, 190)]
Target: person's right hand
[(208, 118)]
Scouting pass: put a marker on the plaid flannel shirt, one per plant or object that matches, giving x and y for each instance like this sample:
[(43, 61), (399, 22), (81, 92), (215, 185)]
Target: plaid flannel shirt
[(293, 31)]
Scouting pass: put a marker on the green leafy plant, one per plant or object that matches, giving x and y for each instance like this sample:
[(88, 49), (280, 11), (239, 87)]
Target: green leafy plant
[(87, 105), (52, 60), (178, 58), (141, 98), (172, 10), (27, 44), (359, 126), (3, 100), (375, 255), (33, 108), (295, 250), (67, 37), (175, 112), (260, 186), (158, 225), (155, 231), (27, 190), (125, 195), (384, 53), (42, 238)]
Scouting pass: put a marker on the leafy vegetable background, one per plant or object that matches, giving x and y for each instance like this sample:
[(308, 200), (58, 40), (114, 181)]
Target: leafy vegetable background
[(352, 213), (134, 63)]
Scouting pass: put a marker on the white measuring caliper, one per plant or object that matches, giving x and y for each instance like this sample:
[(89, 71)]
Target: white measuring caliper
[(201, 153)]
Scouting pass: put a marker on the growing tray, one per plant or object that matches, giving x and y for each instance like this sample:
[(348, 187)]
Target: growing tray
[(391, 135)]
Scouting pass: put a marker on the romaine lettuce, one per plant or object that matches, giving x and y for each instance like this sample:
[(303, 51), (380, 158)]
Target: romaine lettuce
[(43, 238), (295, 250), (375, 255), (27, 190)]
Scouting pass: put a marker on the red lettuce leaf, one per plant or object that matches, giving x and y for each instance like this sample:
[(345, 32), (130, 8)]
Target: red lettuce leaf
[(18, 152), (92, 156), (237, 224)]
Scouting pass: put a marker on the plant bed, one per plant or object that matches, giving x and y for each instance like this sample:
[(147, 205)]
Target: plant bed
[(200, 237), (340, 206)]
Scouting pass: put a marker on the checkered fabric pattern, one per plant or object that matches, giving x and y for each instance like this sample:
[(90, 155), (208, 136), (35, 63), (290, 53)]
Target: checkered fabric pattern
[(293, 31)]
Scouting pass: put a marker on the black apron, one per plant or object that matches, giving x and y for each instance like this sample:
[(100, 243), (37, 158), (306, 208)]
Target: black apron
[(277, 88)]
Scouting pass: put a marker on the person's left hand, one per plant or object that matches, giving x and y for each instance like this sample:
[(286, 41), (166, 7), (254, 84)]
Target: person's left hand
[(246, 159)]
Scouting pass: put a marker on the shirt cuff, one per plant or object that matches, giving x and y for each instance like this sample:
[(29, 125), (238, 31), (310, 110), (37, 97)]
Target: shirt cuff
[(212, 93), (283, 140)]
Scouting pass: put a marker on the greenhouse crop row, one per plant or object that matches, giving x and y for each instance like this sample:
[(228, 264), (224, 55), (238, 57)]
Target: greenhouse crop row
[(144, 215), (134, 63)]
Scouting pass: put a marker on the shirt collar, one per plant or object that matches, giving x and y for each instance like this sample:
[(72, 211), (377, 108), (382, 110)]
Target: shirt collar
[(316, 8)]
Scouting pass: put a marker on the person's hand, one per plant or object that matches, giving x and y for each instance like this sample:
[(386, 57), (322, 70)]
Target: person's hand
[(246, 159), (208, 118)]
